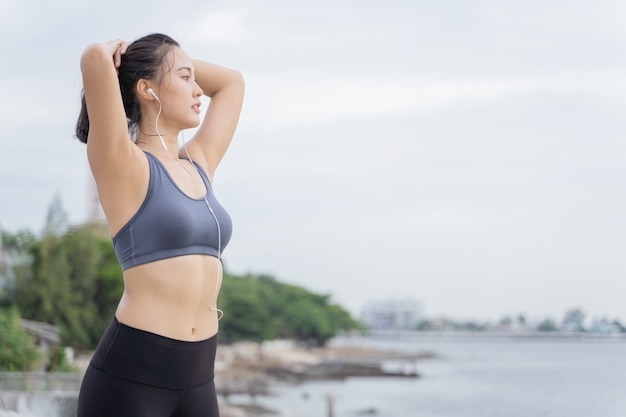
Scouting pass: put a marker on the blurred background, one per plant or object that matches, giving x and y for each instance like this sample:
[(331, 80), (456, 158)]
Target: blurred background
[(460, 162)]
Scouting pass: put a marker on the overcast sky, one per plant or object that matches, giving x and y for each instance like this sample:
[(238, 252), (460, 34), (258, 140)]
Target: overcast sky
[(467, 154)]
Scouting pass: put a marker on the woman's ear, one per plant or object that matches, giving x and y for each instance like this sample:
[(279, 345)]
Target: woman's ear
[(145, 91)]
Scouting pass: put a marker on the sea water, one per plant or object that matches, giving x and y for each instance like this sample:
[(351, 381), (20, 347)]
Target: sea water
[(476, 377)]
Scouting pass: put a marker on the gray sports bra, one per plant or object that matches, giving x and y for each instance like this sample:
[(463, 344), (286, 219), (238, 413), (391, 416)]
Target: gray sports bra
[(169, 223)]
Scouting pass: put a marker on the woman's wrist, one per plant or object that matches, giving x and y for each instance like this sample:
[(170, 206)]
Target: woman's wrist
[(212, 78)]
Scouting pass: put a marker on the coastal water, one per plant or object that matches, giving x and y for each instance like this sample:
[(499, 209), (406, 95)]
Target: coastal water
[(477, 377)]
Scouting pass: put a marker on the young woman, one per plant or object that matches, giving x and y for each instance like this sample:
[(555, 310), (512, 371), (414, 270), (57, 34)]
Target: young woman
[(157, 357)]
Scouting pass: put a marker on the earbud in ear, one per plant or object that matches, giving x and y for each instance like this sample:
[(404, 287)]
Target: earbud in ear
[(151, 91)]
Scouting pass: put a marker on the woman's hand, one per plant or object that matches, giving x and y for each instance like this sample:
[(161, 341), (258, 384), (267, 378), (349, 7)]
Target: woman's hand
[(117, 48)]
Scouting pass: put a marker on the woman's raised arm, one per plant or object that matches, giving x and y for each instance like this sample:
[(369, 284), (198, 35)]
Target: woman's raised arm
[(225, 87), (108, 137)]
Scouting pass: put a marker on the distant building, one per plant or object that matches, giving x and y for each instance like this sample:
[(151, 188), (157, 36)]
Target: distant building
[(604, 326), (392, 314)]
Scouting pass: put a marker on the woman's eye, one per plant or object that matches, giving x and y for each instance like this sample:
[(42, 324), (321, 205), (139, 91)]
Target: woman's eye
[(186, 78)]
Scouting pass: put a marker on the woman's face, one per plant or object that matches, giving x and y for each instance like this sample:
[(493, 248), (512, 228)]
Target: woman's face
[(179, 93)]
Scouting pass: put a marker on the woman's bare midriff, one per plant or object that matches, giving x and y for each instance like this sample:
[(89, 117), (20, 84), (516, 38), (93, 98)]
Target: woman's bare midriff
[(173, 297)]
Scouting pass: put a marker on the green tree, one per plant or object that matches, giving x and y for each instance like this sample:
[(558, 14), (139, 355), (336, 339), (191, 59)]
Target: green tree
[(547, 326), (109, 286), (17, 350), (343, 320), (262, 308), (574, 319), (46, 294), (15, 262), (56, 218), (61, 284), (619, 325), (309, 322), (80, 312), (58, 361), (17, 242), (248, 316)]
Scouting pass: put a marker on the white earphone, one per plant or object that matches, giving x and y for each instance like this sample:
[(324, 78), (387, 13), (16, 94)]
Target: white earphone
[(156, 123), (151, 91)]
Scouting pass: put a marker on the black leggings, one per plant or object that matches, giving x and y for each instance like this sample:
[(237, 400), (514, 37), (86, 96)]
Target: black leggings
[(136, 373)]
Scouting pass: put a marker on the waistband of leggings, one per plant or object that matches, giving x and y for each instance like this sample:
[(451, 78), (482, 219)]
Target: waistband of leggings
[(141, 356)]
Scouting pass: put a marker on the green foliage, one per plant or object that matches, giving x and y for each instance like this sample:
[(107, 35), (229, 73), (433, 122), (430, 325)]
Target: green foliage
[(247, 314), (109, 286), (73, 280), (547, 326), (16, 263), (18, 242), (261, 308), (56, 218), (52, 293), (619, 326), (58, 362), (75, 283), (17, 350)]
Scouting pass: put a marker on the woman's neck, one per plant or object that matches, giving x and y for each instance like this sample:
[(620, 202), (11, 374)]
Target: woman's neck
[(163, 144)]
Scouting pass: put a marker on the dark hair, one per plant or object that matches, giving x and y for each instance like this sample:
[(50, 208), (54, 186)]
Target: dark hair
[(144, 59)]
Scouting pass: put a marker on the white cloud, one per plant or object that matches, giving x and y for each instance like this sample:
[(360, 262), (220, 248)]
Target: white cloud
[(225, 26), (313, 98)]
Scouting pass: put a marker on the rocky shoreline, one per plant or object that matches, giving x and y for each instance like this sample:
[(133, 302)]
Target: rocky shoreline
[(251, 369)]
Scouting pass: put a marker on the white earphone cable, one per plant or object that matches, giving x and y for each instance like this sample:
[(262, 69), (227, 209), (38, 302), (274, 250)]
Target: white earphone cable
[(219, 237), (219, 232), (156, 123)]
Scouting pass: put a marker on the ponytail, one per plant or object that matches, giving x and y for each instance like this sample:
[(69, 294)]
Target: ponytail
[(144, 59)]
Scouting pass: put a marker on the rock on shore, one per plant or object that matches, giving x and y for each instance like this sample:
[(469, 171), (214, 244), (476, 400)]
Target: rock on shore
[(251, 368)]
